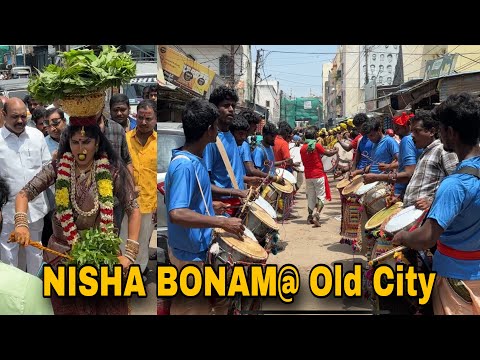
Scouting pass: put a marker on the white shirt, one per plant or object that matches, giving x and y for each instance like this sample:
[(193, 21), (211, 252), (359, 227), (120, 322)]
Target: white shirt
[(21, 158)]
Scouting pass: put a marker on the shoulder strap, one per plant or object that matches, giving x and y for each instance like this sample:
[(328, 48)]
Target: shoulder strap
[(198, 180), (226, 161), (470, 171)]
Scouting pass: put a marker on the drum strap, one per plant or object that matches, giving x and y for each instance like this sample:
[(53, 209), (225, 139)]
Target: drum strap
[(198, 180), (226, 161), (469, 170)]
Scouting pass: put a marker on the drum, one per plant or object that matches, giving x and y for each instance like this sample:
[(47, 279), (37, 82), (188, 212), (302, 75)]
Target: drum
[(376, 220), (280, 197), (260, 201), (373, 196), (341, 184), (329, 163), (351, 215), (403, 220), (261, 224), (353, 186), (372, 226), (227, 249), (287, 175)]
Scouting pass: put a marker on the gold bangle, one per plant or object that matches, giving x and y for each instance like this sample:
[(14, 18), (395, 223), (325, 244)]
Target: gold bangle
[(129, 257)]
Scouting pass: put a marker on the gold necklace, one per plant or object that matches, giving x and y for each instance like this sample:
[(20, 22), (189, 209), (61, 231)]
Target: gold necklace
[(84, 171)]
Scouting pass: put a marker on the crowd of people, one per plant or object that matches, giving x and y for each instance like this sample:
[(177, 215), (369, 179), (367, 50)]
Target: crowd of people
[(430, 161), (39, 155)]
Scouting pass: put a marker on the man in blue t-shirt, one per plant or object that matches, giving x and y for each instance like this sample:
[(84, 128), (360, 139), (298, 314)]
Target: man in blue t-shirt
[(263, 156), (188, 197), (222, 186), (453, 223), (407, 158), (361, 146), (240, 129), (385, 149)]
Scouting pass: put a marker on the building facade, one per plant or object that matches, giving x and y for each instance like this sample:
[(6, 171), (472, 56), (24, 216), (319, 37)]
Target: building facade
[(268, 95)]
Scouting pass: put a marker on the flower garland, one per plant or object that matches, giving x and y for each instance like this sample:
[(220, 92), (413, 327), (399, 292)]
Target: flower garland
[(65, 195)]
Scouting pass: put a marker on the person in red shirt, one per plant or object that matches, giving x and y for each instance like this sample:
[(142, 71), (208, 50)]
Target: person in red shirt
[(315, 178), (281, 149)]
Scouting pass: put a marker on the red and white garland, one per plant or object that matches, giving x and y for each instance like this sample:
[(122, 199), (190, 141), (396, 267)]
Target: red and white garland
[(65, 195)]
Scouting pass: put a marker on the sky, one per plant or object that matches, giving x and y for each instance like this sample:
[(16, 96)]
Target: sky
[(299, 74)]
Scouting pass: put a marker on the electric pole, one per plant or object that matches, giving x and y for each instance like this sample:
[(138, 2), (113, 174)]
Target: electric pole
[(256, 76), (232, 59), (366, 65)]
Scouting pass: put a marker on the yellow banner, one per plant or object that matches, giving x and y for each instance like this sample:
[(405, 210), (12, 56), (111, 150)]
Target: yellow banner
[(185, 72)]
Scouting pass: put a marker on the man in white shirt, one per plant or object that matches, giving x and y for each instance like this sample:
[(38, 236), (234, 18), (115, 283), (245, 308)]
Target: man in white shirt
[(23, 151)]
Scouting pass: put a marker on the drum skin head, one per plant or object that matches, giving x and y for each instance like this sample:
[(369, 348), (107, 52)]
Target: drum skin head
[(248, 233), (342, 183), (403, 219), (287, 188), (260, 201), (246, 247), (366, 187), (377, 219), (287, 175), (354, 185), (263, 216)]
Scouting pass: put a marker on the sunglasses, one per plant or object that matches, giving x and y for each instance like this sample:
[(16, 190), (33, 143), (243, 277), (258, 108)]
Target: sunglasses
[(52, 122)]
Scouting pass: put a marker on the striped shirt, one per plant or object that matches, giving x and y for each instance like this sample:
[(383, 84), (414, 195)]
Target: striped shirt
[(115, 133), (432, 166)]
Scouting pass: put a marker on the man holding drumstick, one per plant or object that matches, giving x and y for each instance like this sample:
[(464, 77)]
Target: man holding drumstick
[(453, 223)]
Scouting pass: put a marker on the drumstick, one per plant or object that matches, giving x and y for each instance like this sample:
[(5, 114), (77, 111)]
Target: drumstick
[(246, 201), (387, 254), (41, 247)]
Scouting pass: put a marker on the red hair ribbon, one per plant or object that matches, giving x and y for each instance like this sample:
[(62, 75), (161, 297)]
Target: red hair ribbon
[(402, 119)]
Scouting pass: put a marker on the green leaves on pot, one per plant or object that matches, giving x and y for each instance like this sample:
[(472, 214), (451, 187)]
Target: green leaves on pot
[(82, 72), (96, 248)]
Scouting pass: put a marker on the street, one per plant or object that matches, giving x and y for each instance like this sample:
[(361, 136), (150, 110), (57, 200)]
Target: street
[(305, 246)]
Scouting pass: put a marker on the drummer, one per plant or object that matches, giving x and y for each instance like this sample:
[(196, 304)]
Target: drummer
[(385, 149), (453, 223), (407, 158), (360, 144), (240, 129), (433, 164), (316, 180), (281, 150), (263, 156), (223, 187), (191, 213)]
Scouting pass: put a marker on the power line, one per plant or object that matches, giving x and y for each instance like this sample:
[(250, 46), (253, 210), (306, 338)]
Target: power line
[(356, 52)]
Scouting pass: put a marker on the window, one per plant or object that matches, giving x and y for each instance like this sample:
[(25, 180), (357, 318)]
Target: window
[(226, 66), (267, 103)]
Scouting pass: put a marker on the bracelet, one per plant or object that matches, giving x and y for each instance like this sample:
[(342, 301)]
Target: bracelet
[(22, 225), (129, 257), (132, 248)]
